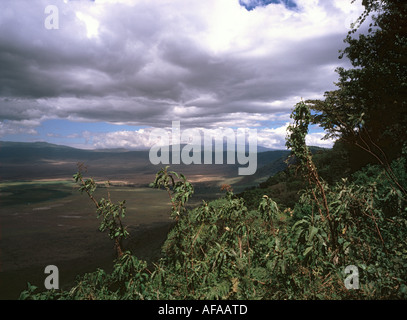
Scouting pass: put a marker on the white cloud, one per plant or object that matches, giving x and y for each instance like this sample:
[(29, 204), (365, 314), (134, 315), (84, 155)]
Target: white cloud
[(18, 127), (316, 139), (91, 23), (273, 138), (136, 139)]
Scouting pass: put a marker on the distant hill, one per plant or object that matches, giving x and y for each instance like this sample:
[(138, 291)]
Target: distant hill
[(36, 160), (22, 152), (41, 160)]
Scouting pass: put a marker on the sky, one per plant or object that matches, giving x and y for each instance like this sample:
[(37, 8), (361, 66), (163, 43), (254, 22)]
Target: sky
[(105, 73)]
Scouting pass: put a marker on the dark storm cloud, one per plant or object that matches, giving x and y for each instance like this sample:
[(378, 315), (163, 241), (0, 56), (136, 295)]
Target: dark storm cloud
[(150, 63), (238, 82)]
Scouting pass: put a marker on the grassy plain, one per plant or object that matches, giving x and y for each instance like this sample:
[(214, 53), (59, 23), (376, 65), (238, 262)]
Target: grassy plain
[(49, 222)]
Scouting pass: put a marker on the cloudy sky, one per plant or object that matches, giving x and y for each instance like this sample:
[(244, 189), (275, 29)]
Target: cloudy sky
[(104, 73)]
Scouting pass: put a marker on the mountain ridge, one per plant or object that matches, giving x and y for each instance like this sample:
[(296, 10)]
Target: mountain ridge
[(39, 160)]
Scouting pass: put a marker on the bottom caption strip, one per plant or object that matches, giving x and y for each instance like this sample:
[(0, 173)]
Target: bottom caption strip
[(207, 309)]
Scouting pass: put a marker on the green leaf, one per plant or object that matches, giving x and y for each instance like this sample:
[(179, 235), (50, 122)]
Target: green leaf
[(307, 251), (312, 233)]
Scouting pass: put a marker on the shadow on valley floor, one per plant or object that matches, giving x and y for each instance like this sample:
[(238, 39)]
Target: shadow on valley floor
[(145, 242)]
